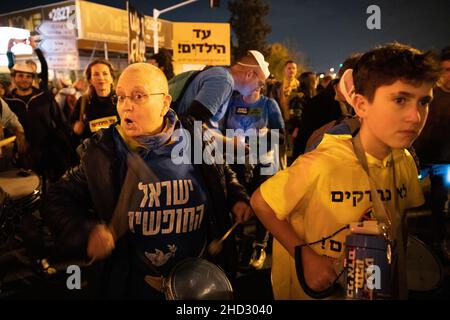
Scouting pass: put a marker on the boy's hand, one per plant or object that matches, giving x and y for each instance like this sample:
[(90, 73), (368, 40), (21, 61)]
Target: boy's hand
[(318, 270)]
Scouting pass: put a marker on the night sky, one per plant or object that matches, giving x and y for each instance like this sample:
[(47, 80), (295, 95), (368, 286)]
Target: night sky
[(326, 31)]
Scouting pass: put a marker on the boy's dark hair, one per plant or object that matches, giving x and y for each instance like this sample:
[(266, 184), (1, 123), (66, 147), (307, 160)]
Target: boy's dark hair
[(388, 63), (349, 63)]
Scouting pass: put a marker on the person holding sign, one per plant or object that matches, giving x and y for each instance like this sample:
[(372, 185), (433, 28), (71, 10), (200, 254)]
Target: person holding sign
[(42, 82)]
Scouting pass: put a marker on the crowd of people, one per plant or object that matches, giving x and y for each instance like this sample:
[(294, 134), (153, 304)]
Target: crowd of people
[(117, 195)]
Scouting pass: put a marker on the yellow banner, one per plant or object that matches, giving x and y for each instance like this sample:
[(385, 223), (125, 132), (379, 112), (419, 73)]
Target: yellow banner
[(103, 23), (201, 43)]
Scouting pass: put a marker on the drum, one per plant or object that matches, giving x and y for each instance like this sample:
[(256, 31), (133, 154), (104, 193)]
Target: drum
[(424, 270), (23, 188), (197, 279)]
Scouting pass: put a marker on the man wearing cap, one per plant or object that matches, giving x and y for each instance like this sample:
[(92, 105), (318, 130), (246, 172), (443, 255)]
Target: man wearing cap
[(41, 81), (48, 154), (206, 98)]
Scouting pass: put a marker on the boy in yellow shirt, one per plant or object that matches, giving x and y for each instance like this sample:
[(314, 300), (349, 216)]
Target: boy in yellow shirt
[(326, 189)]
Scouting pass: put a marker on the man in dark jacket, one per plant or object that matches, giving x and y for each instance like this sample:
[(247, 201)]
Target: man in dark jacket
[(49, 148), (136, 219)]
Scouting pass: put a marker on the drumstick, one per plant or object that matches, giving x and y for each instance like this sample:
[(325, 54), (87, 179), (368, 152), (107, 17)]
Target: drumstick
[(6, 141), (216, 245), (82, 107)]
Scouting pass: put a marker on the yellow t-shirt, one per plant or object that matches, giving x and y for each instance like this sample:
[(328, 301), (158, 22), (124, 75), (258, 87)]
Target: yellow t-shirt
[(289, 85), (325, 190)]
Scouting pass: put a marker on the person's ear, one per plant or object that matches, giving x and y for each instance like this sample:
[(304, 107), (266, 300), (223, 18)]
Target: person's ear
[(248, 74), (360, 105), (166, 104)]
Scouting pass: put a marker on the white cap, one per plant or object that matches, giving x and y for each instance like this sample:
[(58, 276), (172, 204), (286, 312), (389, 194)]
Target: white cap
[(263, 64), (24, 67)]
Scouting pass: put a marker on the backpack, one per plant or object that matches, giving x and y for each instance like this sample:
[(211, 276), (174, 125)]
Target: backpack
[(316, 137), (179, 84)]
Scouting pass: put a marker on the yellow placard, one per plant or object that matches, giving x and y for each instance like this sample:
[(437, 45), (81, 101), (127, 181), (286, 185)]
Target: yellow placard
[(101, 123), (201, 43)]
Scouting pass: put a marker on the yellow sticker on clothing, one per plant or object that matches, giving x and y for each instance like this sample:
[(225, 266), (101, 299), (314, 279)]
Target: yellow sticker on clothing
[(101, 123)]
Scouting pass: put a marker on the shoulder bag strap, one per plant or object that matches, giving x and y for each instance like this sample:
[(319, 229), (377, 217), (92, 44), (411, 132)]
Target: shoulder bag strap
[(394, 223)]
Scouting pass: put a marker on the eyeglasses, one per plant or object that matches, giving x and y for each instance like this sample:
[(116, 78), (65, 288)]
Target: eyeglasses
[(136, 98)]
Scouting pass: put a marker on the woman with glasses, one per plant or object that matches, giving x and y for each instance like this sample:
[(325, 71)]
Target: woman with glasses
[(96, 109), (133, 207)]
